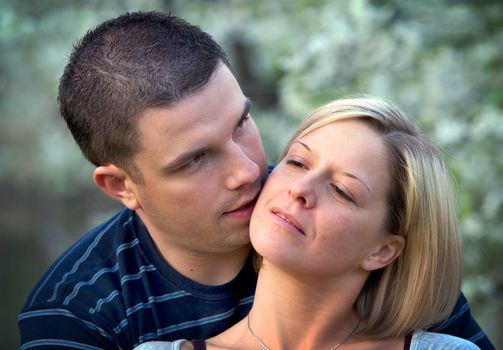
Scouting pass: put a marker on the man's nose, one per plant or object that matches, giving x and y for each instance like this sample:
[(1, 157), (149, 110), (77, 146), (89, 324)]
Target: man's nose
[(242, 170)]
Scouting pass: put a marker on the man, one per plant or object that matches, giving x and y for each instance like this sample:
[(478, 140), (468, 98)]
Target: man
[(152, 103)]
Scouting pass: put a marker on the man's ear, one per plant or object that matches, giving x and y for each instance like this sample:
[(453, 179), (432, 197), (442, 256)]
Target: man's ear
[(384, 254), (116, 183)]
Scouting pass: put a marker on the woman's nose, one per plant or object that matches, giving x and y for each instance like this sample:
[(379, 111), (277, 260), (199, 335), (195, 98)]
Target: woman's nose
[(303, 190)]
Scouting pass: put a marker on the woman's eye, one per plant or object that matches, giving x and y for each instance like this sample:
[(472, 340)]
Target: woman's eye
[(340, 192), (295, 163)]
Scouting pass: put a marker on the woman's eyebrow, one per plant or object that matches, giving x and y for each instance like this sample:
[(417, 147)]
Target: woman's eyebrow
[(365, 184), (303, 144)]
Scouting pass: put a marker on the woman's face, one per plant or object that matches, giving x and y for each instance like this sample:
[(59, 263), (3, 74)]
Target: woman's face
[(323, 209)]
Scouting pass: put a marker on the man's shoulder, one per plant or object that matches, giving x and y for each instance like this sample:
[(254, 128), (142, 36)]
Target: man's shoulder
[(93, 254), (431, 340)]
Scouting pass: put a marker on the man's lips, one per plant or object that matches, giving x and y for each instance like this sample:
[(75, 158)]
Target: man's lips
[(245, 208), (288, 219)]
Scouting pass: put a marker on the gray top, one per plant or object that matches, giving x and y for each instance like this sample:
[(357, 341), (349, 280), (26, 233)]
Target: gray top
[(420, 341)]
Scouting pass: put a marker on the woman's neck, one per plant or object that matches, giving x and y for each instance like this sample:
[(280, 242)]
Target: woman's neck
[(296, 313), (303, 313)]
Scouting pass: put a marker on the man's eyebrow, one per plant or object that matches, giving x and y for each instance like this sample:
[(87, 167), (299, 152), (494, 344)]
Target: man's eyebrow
[(353, 176)]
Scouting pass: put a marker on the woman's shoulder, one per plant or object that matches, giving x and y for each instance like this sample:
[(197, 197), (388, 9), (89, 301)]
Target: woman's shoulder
[(429, 340), (163, 345)]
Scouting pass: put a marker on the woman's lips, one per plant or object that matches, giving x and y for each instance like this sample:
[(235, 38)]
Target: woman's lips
[(288, 220)]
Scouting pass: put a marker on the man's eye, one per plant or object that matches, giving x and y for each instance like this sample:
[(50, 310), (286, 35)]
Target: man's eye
[(243, 121), (194, 161)]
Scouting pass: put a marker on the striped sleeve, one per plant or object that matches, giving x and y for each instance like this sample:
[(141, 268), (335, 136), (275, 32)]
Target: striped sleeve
[(59, 328), (462, 324)]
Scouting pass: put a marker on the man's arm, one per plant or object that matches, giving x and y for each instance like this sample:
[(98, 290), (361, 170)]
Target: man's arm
[(462, 324)]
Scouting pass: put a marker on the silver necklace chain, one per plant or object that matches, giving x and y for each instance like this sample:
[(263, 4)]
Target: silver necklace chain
[(267, 348)]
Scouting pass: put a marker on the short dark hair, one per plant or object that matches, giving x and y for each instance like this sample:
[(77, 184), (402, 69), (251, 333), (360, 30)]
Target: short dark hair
[(124, 66)]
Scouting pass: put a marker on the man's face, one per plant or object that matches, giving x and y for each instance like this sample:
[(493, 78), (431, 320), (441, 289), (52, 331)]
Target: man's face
[(203, 165)]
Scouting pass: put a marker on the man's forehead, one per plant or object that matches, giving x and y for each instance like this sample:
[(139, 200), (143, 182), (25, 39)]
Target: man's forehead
[(212, 112)]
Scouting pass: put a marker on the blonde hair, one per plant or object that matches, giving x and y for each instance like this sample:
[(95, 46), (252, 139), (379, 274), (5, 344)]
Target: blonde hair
[(420, 287)]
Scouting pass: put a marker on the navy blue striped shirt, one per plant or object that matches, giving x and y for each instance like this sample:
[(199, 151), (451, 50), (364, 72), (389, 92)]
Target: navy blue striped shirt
[(112, 290)]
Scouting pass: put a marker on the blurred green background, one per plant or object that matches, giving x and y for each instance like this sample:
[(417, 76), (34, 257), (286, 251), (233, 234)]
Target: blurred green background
[(441, 61)]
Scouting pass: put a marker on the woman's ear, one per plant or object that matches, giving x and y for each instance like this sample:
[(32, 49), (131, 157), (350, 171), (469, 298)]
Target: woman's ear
[(384, 254), (116, 183)]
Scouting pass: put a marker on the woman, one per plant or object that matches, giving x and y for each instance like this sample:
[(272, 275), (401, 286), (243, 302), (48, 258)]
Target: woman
[(357, 230)]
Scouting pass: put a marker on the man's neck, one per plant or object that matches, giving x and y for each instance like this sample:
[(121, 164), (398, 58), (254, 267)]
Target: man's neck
[(208, 268), (202, 266)]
